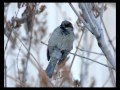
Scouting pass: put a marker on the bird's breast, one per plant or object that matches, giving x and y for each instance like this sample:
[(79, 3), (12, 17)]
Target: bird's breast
[(61, 41), (66, 42)]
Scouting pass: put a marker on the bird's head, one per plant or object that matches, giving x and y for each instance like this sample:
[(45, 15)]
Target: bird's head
[(66, 25)]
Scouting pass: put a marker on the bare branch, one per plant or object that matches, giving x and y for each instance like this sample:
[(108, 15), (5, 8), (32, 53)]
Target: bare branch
[(110, 41), (93, 61), (88, 59), (97, 31), (76, 50), (106, 81), (90, 51), (17, 60)]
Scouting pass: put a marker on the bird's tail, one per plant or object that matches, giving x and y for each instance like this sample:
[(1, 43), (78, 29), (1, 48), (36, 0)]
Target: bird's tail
[(51, 67), (55, 56)]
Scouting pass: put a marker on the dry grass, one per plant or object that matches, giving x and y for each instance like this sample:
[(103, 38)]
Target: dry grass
[(44, 80)]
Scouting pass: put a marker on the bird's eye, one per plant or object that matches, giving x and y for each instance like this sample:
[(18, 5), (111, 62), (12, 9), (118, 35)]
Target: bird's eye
[(68, 25), (65, 25)]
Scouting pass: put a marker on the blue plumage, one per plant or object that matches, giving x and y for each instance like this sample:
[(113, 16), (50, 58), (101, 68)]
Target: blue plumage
[(59, 45)]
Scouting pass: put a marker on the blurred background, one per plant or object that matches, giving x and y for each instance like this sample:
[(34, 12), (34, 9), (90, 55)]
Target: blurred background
[(33, 23)]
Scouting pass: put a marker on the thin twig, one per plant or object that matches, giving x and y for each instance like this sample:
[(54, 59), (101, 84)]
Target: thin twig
[(17, 61), (28, 54), (5, 66), (5, 73), (28, 50), (9, 34), (79, 17), (85, 63), (91, 52), (98, 56), (90, 46), (76, 50), (6, 48), (40, 68), (81, 70), (7, 41), (106, 81), (110, 41), (93, 61), (95, 28), (17, 57), (111, 75), (88, 59), (30, 28)]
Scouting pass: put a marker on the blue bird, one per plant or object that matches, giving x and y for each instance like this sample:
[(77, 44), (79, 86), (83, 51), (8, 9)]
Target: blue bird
[(59, 45)]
